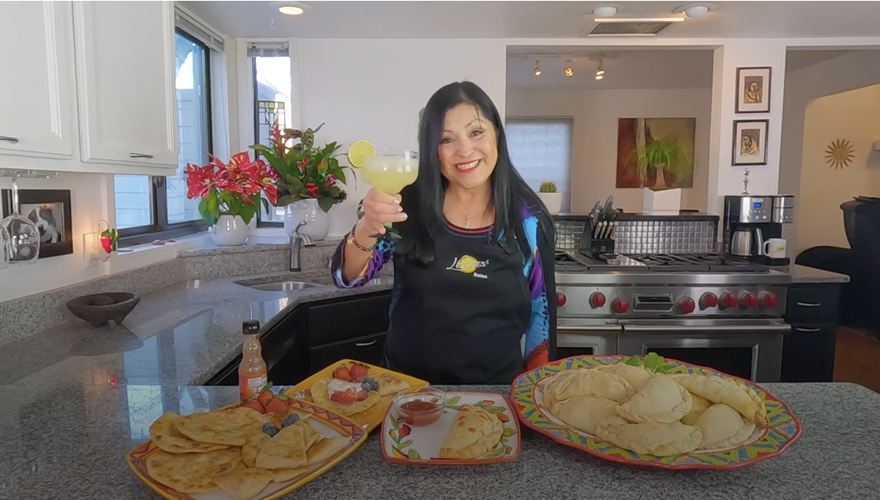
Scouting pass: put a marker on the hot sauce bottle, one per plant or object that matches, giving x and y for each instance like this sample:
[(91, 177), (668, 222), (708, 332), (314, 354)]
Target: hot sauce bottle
[(252, 371)]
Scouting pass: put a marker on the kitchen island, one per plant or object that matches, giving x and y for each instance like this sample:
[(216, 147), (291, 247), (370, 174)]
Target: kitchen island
[(69, 441)]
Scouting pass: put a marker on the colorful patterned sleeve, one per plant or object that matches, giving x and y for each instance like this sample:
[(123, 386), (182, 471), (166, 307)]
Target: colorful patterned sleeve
[(537, 338), (381, 254)]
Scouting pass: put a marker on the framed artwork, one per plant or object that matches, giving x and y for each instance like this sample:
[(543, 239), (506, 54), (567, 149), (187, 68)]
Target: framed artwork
[(753, 90), (50, 210), (655, 152), (750, 142)]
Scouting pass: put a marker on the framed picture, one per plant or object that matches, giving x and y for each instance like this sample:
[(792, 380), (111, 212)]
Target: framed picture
[(753, 90), (50, 210), (750, 142)]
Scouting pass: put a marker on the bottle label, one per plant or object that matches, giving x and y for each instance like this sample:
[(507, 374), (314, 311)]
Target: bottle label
[(250, 386)]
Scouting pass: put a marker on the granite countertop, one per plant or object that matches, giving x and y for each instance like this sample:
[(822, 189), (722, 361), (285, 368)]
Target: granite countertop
[(69, 442), (804, 274), (179, 336)]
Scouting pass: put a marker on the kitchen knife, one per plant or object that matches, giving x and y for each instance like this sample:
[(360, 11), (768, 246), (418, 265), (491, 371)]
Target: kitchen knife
[(594, 213), (609, 206)]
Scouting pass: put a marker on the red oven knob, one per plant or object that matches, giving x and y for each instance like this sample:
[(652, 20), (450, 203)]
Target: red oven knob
[(769, 300), (708, 300), (728, 300), (620, 306), (686, 305), (560, 299), (749, 300), (597, 300)]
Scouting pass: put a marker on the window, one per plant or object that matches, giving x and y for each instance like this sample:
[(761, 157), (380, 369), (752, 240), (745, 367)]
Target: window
[(151, 207), (272, 89), (540, 149)]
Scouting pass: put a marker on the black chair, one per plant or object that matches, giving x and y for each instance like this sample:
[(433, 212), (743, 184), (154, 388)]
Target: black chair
[(860, 298)]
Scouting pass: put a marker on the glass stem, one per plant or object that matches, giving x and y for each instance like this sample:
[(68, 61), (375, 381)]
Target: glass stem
[(14, 195)]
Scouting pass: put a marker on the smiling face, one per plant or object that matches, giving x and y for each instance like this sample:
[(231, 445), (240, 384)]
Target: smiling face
[(468, 148)]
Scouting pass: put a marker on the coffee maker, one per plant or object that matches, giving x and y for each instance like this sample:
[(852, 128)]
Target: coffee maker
[(750, 220)]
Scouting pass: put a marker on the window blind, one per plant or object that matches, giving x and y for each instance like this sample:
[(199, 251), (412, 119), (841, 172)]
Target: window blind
[(268, 49), (540, 150), (197, 30)]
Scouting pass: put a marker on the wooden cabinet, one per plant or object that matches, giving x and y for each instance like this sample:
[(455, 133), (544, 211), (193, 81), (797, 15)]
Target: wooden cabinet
[(808, 351), (37, 104), (125, 66)]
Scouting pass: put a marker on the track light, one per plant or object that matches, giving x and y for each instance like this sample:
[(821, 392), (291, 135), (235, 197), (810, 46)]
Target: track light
[(600, 72), (568, 69), (537, 69)]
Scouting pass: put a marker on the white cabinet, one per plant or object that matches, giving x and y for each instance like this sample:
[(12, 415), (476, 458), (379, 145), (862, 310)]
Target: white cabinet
[(125, 81), (36, 105)]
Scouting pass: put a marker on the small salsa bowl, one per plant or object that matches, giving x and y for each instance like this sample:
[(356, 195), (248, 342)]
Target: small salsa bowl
[(419, 406)]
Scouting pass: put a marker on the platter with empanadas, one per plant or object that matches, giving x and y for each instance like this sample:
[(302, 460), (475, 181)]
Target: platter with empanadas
[(655, 412), (465, 428), (358, 391), (239, 452)]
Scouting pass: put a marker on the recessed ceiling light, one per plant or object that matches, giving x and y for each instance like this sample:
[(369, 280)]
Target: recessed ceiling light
[(695, 10), (290, 8), (607, 10)]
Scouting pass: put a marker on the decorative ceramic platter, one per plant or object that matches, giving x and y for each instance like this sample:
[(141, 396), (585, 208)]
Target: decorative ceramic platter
[(421, 445), (327, 423), (371, 418), (768, 441)]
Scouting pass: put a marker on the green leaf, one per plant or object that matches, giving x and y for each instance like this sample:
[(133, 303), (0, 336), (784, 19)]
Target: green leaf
[(247, 212), (413, 454), (452, 400), (213, 206), (394, 423), (326, 203), (508, 431), (495, 453), (654, 361), (634, 361), (235, 204), (405, 443), (286, 199), (495, 409), (259, 147), (277, 163)]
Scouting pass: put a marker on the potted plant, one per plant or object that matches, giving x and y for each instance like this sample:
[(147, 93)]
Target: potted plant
[(551, 199), (659, 156), (308, 178), (230, 195)]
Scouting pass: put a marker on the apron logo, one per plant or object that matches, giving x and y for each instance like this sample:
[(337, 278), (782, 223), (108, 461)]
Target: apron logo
[(468, 264)]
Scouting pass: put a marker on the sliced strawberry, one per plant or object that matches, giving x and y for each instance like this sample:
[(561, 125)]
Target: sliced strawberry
[(337, 397), (264, 397), (253, 404), (359, 372), (342, 373), (276, 404), (361, 395)]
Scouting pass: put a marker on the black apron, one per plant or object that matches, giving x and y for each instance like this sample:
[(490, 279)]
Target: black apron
[(461, 319)]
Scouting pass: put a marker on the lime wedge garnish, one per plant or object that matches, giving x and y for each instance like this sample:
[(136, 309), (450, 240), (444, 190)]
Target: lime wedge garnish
[(359, 152)]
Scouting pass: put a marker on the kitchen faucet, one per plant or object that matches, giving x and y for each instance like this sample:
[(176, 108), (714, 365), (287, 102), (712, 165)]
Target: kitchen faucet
[(297, 240)]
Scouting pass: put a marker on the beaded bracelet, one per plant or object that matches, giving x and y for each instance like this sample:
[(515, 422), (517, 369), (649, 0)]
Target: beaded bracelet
[(353, 241)]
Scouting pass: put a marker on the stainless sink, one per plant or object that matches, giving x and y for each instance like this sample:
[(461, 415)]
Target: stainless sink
[(284, 286)]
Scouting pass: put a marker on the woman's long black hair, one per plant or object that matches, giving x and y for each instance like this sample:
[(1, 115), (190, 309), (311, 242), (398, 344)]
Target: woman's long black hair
[(423, 200)]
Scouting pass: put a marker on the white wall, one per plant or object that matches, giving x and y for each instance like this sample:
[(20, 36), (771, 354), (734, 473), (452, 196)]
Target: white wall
[(374, 89), (594, 138), (852, 116)]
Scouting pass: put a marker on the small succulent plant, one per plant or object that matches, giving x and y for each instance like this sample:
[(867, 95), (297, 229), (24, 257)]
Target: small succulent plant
[(548, 187)]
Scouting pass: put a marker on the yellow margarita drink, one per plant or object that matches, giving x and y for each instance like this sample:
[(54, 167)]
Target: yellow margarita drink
[(390, 173)]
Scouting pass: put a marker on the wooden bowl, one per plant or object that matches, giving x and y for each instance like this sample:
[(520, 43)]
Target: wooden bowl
[(101, 308)]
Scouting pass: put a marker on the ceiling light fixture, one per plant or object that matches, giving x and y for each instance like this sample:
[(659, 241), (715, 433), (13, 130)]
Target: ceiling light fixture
[(537, 68), (568, 69), (600, 72), (605, 11), (290, 8), (695, 10)]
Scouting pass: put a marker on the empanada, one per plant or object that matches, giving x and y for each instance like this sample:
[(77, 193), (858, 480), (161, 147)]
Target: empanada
[(657, 439), (587, 382), (721, 390), (585, 413), (637, 376), (701, 404), (473, 433), (660, 400), (723, 427)]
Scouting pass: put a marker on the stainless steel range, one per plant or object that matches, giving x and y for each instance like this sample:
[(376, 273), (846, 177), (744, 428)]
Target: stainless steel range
[(701, 308)]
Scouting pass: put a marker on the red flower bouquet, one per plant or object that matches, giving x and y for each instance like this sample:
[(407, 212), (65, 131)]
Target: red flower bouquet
[(231, 189), (303, 170)]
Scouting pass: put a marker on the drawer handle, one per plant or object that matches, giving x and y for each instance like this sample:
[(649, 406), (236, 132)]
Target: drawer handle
[(13, 140), (808, 330), (140, 155), (810, 304), (366, 344)]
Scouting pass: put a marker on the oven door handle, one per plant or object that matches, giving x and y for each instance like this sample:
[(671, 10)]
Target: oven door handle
[(589, 328), (773, 328)]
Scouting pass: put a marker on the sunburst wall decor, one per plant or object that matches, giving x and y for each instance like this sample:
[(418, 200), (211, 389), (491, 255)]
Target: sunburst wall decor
[(840, 153)]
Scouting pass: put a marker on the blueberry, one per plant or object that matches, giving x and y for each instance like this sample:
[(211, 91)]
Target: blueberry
[(369, 384), (269, 428), (290, 420)]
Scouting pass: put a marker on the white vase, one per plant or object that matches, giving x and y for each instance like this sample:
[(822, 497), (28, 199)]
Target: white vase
[(553, 202), (230, 231), (317, 221)]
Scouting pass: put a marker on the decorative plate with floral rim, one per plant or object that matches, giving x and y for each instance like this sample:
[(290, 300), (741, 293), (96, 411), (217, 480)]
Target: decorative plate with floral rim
[(768, 441), (327, 423), (404, 444)]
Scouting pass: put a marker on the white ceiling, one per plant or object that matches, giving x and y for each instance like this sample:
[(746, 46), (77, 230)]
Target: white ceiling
[(534, 19), (624, 69)]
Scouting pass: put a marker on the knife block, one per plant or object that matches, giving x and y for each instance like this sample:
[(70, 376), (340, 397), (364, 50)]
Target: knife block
[(593, 247)]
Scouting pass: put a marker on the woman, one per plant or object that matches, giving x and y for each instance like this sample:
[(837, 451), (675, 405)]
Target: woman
[(470, 283)]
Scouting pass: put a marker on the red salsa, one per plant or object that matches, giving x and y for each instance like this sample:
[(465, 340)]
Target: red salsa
[(417, 406), (419, 413)]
